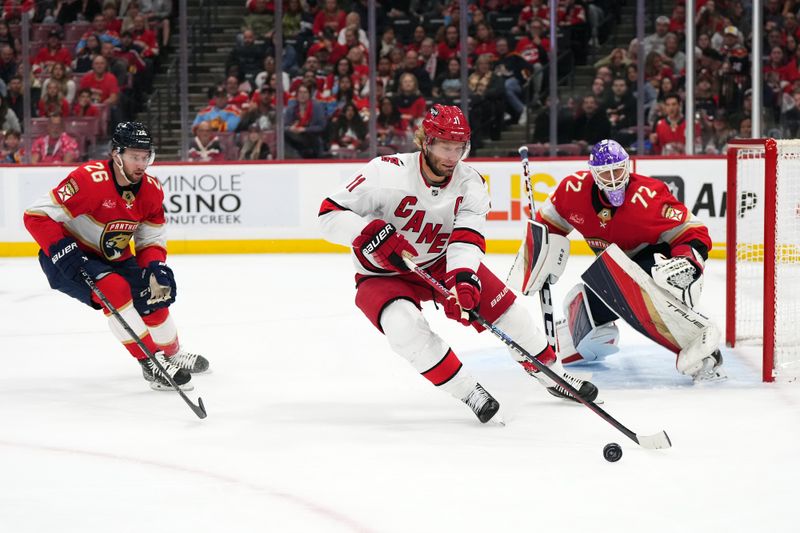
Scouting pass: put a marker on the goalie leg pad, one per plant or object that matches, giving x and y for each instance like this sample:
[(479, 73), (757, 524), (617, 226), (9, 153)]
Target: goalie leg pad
[(410, 335), (654, 312), (580, 338), (541, 258), (702, 359)]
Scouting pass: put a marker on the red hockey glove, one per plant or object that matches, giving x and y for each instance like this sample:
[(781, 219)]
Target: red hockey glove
[(467, 288), (381, 240)]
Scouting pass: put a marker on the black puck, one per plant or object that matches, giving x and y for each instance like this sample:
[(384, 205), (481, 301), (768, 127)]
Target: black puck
[(612, 452)]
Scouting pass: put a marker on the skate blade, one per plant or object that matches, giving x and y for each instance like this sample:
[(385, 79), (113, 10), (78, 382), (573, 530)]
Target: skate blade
[(714, 376), (159, 387)]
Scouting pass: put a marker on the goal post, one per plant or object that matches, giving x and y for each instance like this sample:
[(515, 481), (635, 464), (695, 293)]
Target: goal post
[(763, 252)]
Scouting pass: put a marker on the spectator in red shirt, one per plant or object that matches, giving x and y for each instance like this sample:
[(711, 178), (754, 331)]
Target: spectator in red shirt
[(13, 9), (330, 16), (485, 37), (103, 84), (677, 23), (144, 37), (83, 106), (450, 47), (535, 9), (113, 22), (669, 136), (409, 101), (54, 52), (52, 102), (56, 146)]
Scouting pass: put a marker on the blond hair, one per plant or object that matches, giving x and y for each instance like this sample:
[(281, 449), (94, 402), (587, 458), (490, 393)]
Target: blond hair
[(419, 137)]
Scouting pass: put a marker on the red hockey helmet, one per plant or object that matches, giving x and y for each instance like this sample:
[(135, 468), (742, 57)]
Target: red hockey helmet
[(446, 122)]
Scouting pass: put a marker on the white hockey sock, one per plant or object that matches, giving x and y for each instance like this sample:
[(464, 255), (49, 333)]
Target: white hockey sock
[(165, 336), (409, 335), (518, 324), (131, 316)]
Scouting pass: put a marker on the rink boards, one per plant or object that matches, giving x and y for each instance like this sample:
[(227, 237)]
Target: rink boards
[(272, 207)]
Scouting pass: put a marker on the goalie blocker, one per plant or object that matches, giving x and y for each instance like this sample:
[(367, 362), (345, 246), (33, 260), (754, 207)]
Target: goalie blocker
[(635, 297)]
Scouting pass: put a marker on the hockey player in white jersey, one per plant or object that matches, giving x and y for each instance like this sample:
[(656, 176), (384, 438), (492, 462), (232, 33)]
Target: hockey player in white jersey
[(433, 206)]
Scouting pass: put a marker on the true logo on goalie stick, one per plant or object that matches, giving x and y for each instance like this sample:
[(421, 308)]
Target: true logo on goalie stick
[(116, 238), (67, 191)]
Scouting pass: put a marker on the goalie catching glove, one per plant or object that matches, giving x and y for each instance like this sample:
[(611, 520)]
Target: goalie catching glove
[(380, 240), (681, 276)]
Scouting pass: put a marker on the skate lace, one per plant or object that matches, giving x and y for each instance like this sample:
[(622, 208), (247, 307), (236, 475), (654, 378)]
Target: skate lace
[(572, 380), (168, 366), (477, 398), (184, 359)]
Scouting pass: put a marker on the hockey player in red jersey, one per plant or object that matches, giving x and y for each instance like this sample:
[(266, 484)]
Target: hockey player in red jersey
[(607, 204), (433, 206), (87, 222)]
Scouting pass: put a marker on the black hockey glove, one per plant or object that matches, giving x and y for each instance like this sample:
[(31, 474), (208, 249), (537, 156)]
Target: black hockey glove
[(161, 280)]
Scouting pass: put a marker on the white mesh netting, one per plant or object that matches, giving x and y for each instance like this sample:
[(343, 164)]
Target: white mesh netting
[(750, 259)]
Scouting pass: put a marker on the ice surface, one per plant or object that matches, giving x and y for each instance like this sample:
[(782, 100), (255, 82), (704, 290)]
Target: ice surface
[(315, 425)]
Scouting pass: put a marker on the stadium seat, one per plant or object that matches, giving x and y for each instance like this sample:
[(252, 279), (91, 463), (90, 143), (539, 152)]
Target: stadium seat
[(40, 32), (432, 24), (38, 126), (501, 23), (75, 30), (404, 28)]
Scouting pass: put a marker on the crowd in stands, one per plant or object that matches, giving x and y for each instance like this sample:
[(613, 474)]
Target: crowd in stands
[(418, 60), (722, 92), (419, 54), (91, 65)]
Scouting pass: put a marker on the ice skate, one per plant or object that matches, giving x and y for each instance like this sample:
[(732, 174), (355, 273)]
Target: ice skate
[(482, 403), (194, 363), (157, 380), (585, 388)]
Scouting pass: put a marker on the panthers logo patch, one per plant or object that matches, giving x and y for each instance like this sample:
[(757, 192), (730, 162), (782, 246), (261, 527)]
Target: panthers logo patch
[(597, 245), (116, 238)]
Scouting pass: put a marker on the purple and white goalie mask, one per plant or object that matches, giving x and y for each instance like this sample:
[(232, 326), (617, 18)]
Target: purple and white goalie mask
[(610, 166)]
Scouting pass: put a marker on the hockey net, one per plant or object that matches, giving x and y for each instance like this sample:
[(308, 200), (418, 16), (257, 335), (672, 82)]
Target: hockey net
[(763, 252)]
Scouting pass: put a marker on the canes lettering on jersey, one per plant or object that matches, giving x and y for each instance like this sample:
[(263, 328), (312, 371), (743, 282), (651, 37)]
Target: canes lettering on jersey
[(451, 221)]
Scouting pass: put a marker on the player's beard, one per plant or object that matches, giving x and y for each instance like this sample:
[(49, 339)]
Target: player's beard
[(436, 169)]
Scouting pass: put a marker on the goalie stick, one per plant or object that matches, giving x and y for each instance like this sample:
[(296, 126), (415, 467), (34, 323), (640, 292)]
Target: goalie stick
[(545, 295), (199, 409), (656, 441)]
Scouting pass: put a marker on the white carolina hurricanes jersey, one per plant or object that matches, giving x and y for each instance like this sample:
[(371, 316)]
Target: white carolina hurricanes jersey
[(439, 221)]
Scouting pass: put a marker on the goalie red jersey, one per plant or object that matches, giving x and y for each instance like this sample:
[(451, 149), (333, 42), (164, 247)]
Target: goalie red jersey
[(102, 216), (649, 215)]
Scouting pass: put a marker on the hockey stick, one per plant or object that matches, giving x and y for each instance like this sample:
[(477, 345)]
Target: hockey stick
[(653, 442), (545, 296), (199, 409)]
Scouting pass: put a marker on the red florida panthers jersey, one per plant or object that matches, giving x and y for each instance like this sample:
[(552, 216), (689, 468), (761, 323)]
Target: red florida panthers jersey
[(102, 216), (649, 215)]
